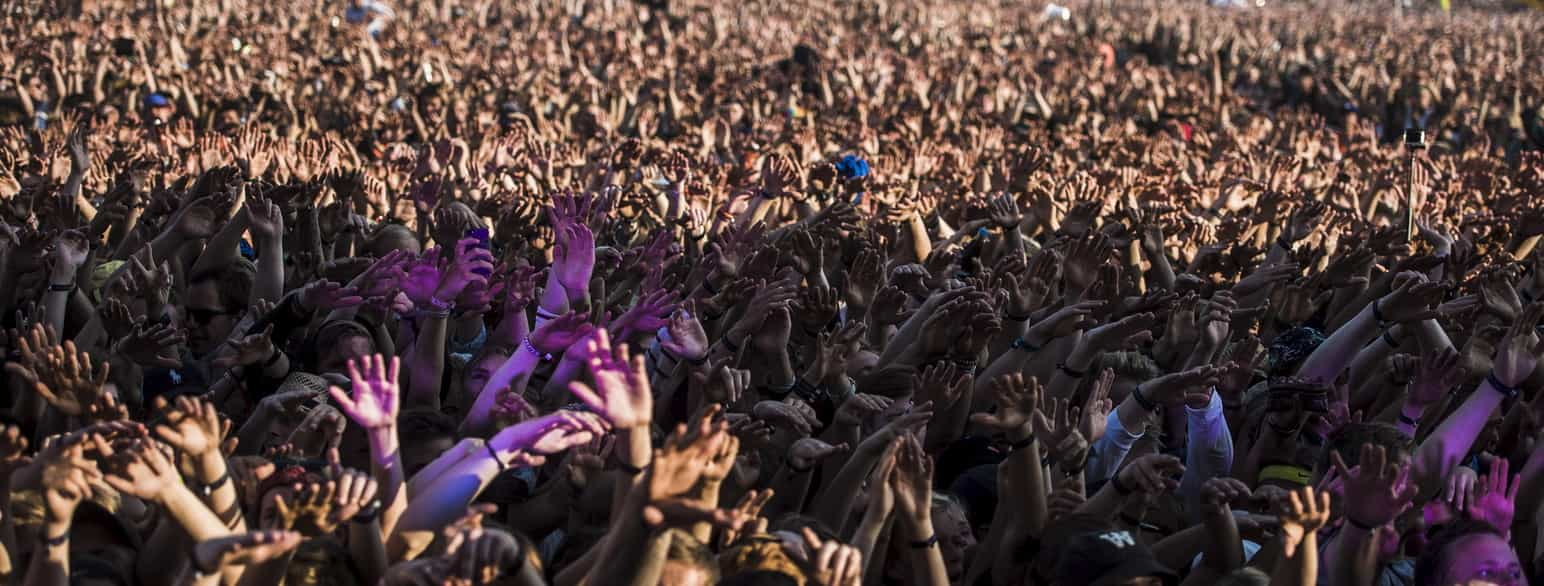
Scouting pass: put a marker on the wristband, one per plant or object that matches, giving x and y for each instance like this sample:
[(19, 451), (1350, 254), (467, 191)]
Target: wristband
[(1142, 400), (273, 359), (543, 356), (1377, 312), (1020, 343), (630, 469), (1406, 419), (495, 456), (368, 514), (1062, 366), (56, 541), (926, 543), (1021, 444), (208, 489), (1017, 318), (1506, 390), (61, 288), (433, 313), (1388, 338)]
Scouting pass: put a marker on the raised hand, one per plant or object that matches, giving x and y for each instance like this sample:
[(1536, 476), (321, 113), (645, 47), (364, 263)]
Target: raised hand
[(1307, 511), (1018, 399), (679, 463), (375, 401), (142, 470), (1152, 474), (248, 350), (1190, 386), (152, 345), (1438, 373), (1494, 499), (833, 563), (1413, 299), (1518, 353), (549, 434), (65, 476), (1221, 493), (254, 547), (575, 259), (558, 334), (912, 480), (685, 338), (1377, 490), (354, 492), (328, 295), (622, 393), (192, 426), (809, 451)]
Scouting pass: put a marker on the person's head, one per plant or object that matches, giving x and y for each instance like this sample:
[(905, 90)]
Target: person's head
[(159, 106), (955, 540), (1112, 557), (688, 562), (1349, 439), (481, 367), (390, 237), (1290, 348), (1469, 552), (216, 299), (338, 342), (319, 562), (1131, 369), (429, 433)]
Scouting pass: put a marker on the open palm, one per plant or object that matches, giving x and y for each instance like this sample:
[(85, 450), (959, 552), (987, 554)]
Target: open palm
[(374, 404)]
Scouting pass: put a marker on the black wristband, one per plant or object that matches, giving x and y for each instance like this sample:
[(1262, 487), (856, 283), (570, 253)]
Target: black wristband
[(1020, 343), (630, 469), (495, 456), (368, 514), (1142, 400), (1018, 318), (208, 489), (1507, 390), (1062, 366), (1388, 338), (1021, 444), (1408, 420), (61, 288), (926, 543), (55, 541)]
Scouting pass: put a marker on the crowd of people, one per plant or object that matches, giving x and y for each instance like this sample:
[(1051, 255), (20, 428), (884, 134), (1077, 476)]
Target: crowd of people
[(917, 292)]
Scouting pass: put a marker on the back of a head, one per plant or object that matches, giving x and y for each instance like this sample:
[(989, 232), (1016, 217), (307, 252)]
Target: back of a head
[(1348, 441), (234, 282), (688, 560)]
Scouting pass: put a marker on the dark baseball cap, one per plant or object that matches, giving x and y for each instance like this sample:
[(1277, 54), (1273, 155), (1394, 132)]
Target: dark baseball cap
[(1106, 557)]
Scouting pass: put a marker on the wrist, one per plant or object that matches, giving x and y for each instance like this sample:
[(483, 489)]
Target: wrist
[(211, 465), (383, 440), (920, 525)]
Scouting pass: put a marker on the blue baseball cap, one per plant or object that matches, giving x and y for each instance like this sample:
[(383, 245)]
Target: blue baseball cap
[(157, 100)]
